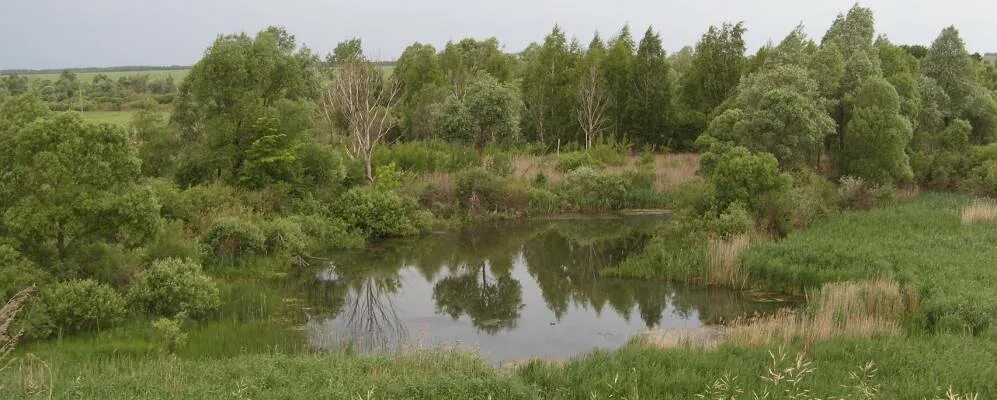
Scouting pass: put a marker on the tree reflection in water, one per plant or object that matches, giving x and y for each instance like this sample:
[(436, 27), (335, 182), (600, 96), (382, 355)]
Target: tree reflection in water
[(370, 317), (508, 280), (491, 302)]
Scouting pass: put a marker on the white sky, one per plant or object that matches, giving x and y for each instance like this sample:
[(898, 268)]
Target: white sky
[(73, 33)]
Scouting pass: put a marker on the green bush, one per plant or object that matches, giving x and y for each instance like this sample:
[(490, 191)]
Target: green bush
[(981, 177), (17, 272), (589, 190), (327, 233), (812, 196), (171, 286), (479, 190), (321, 165), (172, 241), (378, 214), (428, 156), (567, 162), (755, 181), (857, 194), (284, 235), (232, 237), (82, 305), (500, 164), (607, 154)]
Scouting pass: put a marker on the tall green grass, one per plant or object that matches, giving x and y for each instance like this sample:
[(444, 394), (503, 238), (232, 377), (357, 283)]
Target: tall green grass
[(923, 243)]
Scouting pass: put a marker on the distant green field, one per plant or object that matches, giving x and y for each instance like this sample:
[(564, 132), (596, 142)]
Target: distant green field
[(178, 74), (111, 117)]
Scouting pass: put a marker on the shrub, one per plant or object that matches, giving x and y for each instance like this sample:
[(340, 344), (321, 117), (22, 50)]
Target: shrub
[(387, 177), (754, 180), (82, 305), (589, 190), (428, 156), (856, 194), (232, 236), (607, 154), (377, 214), (321, 165), (170, 333), (284, 235), (567, 162), (171, 286), (478, 190), (812, 196), (172, 241), (327, 233), (17, 273), (982, 171), (500, 164)]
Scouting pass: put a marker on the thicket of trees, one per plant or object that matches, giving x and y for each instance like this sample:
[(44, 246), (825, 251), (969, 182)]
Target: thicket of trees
[(271, 150), (69, 92)]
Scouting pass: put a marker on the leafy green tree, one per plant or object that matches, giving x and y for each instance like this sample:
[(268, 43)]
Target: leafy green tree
[(239, 80), (67, 87), (489, 112), (158, 143), (875, 148), (752, 180), (618, 69), (18, 111), (462, 61), (794, 49), (777, 111), (453, 121), (68, 183), (651, 104), (105, 91), (981, 112), (422, 85), (938, 163), (271, 158), (853, 32), (549, 93), (949, 64), (346, 51), (14, 84), (716, 68)]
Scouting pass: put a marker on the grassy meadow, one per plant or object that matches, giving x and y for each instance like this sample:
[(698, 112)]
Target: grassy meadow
[(177, 74)]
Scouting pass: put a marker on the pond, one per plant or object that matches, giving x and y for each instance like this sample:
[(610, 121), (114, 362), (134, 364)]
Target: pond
[(508, 290)]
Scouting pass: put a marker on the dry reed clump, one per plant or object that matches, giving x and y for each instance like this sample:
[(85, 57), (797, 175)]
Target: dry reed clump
[(723, 261), (674, 169), (980, 210), (860, 310), (8, 339)]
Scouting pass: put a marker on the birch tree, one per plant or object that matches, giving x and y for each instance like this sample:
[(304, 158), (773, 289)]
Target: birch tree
[(362, 101)]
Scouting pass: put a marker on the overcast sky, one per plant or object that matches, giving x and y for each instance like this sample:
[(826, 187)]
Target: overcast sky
[(73, 33)]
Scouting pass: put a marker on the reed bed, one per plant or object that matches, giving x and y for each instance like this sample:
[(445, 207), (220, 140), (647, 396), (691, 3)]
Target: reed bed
[(852, 309), (723, 261), (9, 337), (979, 211)]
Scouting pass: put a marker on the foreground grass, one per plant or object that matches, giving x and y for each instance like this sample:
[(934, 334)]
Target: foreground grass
[(906, 368)]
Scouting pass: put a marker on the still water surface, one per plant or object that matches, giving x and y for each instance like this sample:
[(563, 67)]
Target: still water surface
[(509, 290)]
